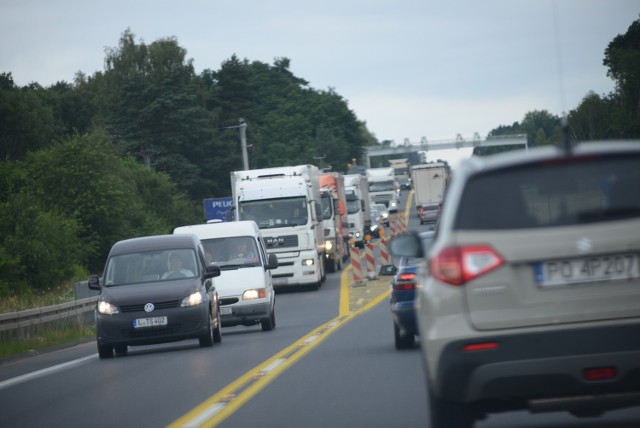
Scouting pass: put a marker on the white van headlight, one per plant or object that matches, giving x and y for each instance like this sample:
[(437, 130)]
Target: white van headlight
[(107, 308)]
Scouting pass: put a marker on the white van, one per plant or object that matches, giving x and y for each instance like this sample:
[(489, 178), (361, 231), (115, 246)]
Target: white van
[(244, 285)]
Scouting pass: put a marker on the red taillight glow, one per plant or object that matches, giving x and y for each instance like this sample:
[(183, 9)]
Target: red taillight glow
[(457, 265), (406, 276), (599, 373), (484, 346), (405, 286)]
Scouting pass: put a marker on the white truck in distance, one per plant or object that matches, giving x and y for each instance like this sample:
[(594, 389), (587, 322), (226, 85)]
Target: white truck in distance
[(429, 184), (358, 207), (401, 168), (383, 187), (285, 203)]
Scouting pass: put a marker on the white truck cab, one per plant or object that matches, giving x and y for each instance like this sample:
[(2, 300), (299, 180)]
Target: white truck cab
[(245, 287)]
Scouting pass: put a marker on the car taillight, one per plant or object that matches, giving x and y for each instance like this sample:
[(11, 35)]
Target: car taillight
[(405, 282), (457, 265)]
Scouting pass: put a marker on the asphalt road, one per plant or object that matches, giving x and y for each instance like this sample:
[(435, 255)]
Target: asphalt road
[(320, 367)]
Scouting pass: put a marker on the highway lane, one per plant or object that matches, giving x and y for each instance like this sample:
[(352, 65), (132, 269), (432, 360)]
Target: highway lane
[(352, 376)]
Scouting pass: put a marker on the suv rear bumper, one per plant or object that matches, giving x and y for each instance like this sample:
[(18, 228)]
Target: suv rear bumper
[(527, 368)]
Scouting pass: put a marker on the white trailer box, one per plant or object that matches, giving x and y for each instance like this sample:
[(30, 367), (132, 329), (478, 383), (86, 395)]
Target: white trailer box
[(285, 203), (429, 184)]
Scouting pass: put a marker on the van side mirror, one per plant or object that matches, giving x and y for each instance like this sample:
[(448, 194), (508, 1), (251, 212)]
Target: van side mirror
[(211, 271), (272, 262), (94, 282)]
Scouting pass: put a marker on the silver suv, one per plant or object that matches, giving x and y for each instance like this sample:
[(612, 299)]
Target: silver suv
[(533, 295)]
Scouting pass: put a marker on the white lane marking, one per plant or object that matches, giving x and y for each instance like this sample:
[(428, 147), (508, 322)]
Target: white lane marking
[(39, 373), (205, 416)]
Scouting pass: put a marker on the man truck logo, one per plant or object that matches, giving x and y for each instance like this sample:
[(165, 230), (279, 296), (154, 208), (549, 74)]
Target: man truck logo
[(274, 242)]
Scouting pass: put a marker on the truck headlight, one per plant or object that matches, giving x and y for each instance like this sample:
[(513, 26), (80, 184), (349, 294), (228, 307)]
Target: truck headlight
[(328, 245), (308, 262)]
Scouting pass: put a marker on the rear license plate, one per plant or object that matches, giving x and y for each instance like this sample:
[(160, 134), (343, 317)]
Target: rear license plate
[(617, 267), (225, 310), (150, 322)]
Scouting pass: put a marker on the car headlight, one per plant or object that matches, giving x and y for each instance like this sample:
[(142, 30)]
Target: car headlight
[(259, 293), (374, 227), (394, 204), (107, 308), (385, 215), (192, 300), (358, 234), (328, 245), (308, 262)]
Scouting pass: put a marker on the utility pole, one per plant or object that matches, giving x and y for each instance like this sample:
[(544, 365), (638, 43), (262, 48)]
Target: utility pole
[(243, 143)]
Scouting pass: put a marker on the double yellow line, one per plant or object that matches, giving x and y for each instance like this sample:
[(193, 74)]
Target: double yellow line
[(230, 398)]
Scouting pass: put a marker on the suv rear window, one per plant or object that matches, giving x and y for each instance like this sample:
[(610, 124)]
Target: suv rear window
[(560, 192)]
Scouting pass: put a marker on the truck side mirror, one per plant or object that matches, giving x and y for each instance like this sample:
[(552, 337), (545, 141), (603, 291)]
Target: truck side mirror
[(318, 213)]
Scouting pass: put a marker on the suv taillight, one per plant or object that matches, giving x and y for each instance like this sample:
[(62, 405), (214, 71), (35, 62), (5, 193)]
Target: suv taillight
[(457, 265)]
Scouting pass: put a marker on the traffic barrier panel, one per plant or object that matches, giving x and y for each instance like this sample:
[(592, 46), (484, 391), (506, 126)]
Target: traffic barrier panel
[(356, 267), (371, 262)]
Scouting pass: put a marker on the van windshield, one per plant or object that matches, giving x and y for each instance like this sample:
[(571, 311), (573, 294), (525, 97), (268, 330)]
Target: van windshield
[(232, 252), (150, 266)]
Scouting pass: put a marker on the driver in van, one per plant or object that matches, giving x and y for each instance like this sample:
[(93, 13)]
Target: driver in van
[(176, 269)]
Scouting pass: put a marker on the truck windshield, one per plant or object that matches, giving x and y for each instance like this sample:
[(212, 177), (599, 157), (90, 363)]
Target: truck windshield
[(273, 213), (327, 206), (381, 186), (353, 206)]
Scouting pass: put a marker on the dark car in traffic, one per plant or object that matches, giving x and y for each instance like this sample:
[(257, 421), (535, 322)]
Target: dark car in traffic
[(404, 284), (156, 289)]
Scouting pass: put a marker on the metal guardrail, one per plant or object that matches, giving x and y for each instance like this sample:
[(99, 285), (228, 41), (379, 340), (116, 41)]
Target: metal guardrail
[(38, 316)]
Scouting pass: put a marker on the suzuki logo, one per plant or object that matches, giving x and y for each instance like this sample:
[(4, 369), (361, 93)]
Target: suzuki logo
[(584, 245), (149, 307)]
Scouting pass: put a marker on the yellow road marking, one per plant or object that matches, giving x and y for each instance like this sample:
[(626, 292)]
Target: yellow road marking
[(225, 402)]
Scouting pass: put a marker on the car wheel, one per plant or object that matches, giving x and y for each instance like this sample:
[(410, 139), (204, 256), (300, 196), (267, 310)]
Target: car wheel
[(121, 349), (445, 413), (403, 341), (269, 324), (207, 338), (105, 351), (217, 330)]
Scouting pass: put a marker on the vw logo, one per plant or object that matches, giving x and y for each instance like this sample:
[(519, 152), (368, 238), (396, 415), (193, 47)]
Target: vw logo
[(149, 307), (584, 245)]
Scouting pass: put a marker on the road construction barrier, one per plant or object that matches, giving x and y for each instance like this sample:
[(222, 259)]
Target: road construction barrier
[(371, 262), (356, 267), (384, 252)]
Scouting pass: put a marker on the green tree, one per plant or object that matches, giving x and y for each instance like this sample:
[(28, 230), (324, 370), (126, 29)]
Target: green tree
[(26, 121), (622, 58), (591, 120)]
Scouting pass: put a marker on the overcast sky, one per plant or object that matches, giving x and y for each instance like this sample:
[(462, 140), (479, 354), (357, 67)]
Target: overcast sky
[(408, 68)]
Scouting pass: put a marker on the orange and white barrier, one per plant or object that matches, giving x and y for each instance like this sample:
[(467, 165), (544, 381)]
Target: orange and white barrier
[(384, 252), (356, 267), (371, 262)]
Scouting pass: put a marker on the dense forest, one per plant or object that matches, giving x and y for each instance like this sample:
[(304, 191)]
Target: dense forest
[(132, 150)]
